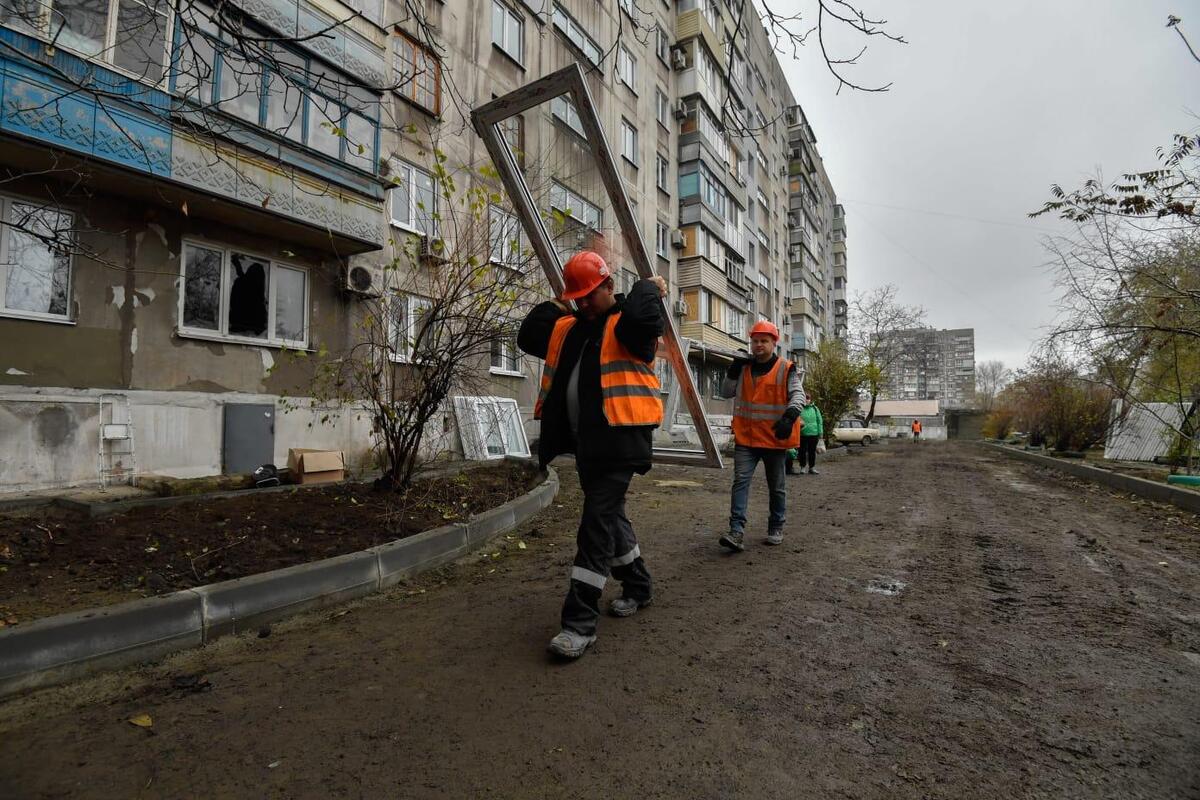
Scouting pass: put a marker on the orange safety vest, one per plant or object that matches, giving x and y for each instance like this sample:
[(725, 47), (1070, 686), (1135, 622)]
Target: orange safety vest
[(916, 427), (759, 405), (629, 386)]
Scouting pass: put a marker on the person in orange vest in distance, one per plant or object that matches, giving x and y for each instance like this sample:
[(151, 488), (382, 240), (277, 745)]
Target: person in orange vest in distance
[(599, 399), (916, 429), (769, 399)]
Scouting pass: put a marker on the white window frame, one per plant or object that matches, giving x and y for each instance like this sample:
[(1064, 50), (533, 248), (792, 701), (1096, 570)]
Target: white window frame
[(662, 172), (412, 302), (469, 415), (662, 45), (629, 142), (510, 247), (662, 108), (560, 192), (508, 15), (6, 231), (627, 68), (509, 352), (576, 35), (221, 334), (662, 236), (411, 225), (563, 109)]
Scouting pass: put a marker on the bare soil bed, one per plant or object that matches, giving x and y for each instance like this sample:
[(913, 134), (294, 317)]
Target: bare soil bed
[(52, 561)]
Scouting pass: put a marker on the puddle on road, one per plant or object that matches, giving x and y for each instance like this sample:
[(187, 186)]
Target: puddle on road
[(885, 586)]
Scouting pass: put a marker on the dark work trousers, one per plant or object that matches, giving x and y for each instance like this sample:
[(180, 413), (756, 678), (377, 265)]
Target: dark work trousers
[(605, 543), (808, 451)]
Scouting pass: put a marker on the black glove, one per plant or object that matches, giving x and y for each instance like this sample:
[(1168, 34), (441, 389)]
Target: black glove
[(783, 426), (735, 369)]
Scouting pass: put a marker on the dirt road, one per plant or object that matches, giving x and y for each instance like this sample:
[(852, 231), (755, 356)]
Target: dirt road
[(941, 622)]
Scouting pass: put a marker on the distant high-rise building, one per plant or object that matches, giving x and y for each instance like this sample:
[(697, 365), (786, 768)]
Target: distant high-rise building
[(932, 365)]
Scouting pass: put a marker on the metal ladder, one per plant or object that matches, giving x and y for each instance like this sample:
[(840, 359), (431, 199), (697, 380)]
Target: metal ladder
[(116, 462)]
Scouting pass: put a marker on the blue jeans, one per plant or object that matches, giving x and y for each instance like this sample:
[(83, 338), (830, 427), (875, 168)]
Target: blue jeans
[(745, 460)]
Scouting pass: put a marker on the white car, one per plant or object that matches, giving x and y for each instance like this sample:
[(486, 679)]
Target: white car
[(850, 431)]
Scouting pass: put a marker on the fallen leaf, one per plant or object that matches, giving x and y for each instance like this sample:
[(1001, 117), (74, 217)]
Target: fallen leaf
[(943, 643), (142, 721), (520, 545), (274, 764), (1163, 564)]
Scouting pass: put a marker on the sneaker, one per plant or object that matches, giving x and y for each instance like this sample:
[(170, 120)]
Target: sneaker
[(812, 471), (774, 537), (570, 644), (627, 606), (733, 540)]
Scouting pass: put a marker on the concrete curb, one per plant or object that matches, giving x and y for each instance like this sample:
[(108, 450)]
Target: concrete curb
[(1161, 492), (58, 649)]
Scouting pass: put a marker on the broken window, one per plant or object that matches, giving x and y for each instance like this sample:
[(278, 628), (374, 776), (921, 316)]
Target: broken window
[(35, 275), (409, 338), (233, 294)]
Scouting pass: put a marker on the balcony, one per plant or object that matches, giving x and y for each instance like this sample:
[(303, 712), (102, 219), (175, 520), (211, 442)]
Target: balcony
[(201, 153), (804, 307), (690, 24)]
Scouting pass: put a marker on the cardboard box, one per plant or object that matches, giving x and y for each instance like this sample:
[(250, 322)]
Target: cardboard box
[(316, 466)]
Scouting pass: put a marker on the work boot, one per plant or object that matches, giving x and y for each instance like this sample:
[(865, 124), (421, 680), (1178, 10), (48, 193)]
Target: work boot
[(627, 606), (569, 644), (813, 471), (775, 537), (733, 540)]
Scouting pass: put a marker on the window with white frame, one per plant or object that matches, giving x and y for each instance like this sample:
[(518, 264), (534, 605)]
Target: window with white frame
[(662, 44), (662, 236), (412, 200), (576, 35), (35, 276), (508, 31), (490, 427), (409, 335), (564, 109), (661, 172), (627, 68), (629, 142), (571, 204), (662, 108), (504, 238), (506, 358), (237, 295)]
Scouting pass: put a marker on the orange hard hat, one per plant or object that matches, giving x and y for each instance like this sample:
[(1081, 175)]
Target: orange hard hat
[(766, 329), (583, 272)]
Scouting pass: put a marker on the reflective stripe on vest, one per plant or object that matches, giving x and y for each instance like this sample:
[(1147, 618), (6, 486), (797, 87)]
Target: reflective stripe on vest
[(759, 405), (628, 386), (562, 327)]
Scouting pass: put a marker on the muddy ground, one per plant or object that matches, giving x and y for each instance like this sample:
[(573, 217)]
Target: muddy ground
[(52, 561), (942, 622)]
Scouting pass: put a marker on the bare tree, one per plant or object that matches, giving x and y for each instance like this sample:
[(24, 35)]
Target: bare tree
[(447, 308), (990, 378), (875, 317)]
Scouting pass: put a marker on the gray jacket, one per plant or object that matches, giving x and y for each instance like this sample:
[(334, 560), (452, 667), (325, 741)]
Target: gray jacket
[(795, 386)]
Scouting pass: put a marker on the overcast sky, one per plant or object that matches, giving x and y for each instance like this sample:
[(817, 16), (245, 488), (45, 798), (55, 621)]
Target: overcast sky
[(991, 102)]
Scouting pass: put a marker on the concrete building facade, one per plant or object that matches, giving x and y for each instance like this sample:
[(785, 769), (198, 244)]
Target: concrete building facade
[(933, 365), (212, 250)]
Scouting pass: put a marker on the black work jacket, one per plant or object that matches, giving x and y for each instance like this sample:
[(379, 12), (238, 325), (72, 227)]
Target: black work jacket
[(599, 444)]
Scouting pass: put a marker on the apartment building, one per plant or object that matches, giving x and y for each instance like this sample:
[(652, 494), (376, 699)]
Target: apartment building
[(220, 213), (933, 365), (816, 245)]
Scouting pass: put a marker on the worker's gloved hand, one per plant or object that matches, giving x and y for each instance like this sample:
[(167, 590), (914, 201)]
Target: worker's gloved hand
[(783, 427), (735, 369)]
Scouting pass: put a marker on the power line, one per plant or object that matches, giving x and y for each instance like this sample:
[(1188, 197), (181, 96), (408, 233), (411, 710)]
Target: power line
[(953, 216), (923, 265)]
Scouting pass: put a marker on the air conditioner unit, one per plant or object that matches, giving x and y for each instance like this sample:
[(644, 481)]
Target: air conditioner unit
[(429, 253), (678, 60), (677, 239), (681, 307), (361, 281), (680, 110)]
